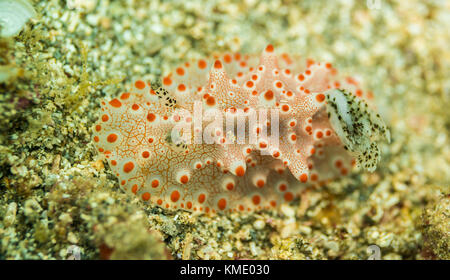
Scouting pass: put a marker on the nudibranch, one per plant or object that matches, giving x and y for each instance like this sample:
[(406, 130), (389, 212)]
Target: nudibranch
[(320, 126)]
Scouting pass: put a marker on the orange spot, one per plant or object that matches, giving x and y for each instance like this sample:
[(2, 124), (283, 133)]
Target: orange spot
[(184, 179), (202, 64), (278, 84), (269, 48), (312, 151), (134, 189), (285, 108), (288, 196), (301, 77), (256, 199), (112, 138), (338, 163), (181, 87), (240, 171), (217, 64), (222, 203), (314, 177), (293, 137), (150, 140), (175, 196), (344, 171), (283, 187), (167, 81), (128, 167), (359, 93), (230, 186), (227, 58), (320, 97), (98, 127), (273, 203), (319, 134), (237, 56), (125, 95), (350, 80), (115, 103), (201, 198), (155, 183), (303, 178), (113, 162), (249, 84), (139, 84), (268, 95), (159, 201), (105, 118), (260, 183), (328, 133), (96, 139), (151, 117), (146, 196), (189, 205), (135, 107), (145, 154), (180, 71), (211, 101), (309, 62)]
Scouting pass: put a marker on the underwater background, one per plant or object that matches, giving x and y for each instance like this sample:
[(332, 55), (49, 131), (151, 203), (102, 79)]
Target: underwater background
[(57, 195)]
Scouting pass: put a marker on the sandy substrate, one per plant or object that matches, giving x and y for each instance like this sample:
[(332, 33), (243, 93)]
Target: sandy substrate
[(54, 192)]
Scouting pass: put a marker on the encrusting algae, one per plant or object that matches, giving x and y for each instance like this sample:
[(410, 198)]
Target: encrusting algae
[(57, 193)]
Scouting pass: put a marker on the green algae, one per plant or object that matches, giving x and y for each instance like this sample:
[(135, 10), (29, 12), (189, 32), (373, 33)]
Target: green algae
[(436, 229)]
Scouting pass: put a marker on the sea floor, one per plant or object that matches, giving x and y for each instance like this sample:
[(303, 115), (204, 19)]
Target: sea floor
[(55, 193)]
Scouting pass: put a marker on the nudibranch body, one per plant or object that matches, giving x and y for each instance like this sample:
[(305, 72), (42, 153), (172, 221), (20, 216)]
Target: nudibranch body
[(317, 126)]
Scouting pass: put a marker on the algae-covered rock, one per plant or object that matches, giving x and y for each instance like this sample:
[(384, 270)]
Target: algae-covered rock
[(57, 197), (436, 228)]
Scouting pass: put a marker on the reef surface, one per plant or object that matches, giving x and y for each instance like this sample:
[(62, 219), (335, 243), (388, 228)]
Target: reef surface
[(56, 193)]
